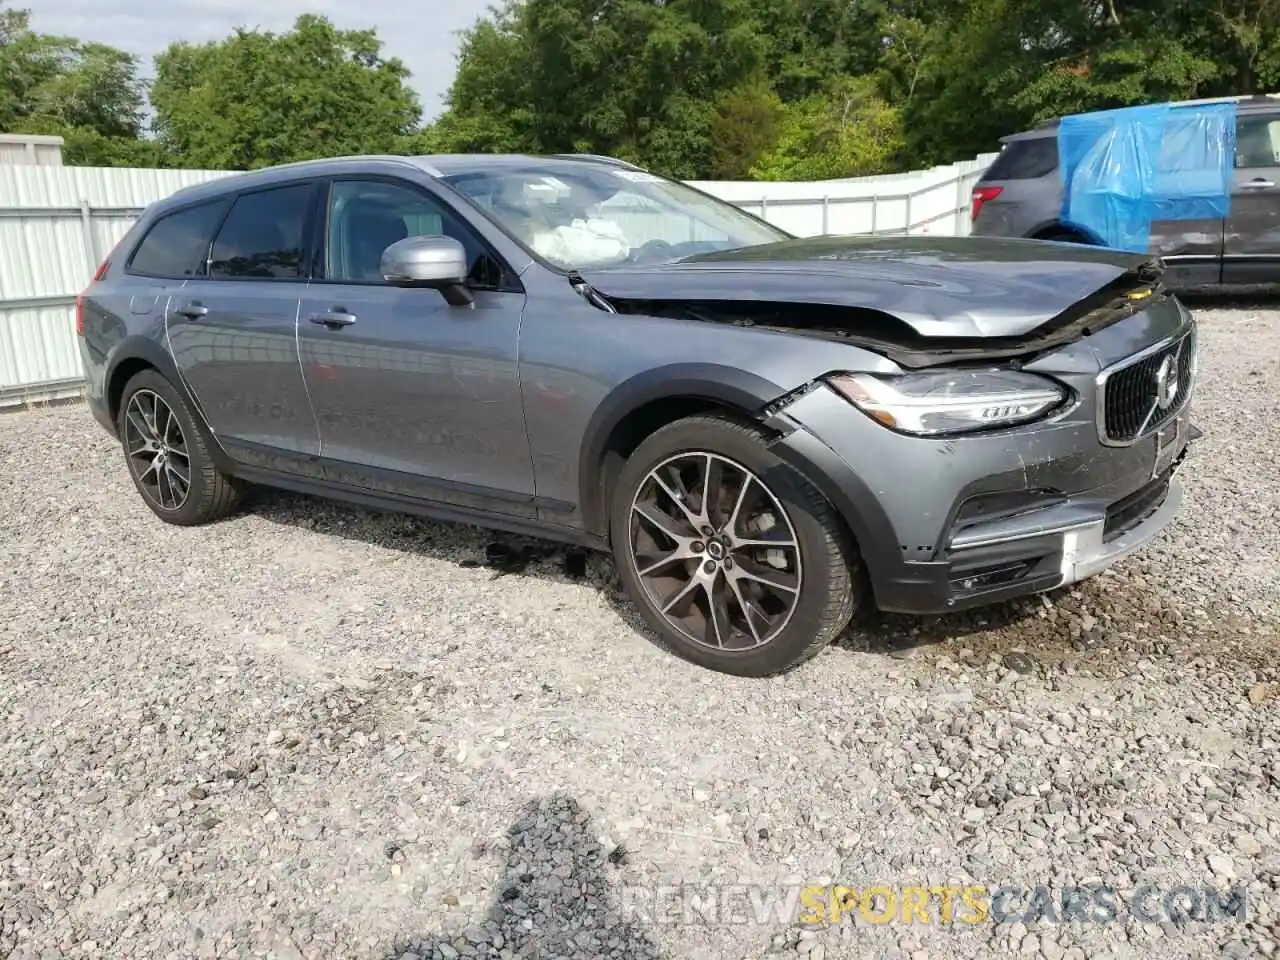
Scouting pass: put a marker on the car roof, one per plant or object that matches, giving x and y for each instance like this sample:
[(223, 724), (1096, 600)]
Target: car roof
[(447, 164), (436, 165), (1248, 103)]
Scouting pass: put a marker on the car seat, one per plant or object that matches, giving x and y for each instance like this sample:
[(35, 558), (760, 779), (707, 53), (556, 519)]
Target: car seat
[(370, 229)]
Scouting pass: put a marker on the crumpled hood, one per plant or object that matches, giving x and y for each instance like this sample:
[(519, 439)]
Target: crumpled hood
[(953, 287)]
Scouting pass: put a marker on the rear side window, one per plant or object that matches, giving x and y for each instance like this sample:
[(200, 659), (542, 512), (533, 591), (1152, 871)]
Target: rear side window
[(178, 242), (1258, 141), (1025, 160), (262, 235)]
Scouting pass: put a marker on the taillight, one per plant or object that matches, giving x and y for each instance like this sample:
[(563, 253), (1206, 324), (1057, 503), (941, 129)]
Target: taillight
[(980, 196), (98, 275)]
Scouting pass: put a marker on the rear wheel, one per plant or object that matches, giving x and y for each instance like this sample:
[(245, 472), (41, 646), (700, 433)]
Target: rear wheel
[(168, 455), (732, 556)]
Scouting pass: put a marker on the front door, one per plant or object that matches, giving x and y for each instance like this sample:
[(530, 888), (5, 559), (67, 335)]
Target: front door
[(232, 332), (413, 396), (1251, 244)]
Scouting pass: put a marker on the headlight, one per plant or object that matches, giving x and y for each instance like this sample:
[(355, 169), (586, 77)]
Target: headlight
[(952, 401)]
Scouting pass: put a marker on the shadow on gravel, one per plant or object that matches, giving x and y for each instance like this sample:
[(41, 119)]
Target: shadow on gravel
[(462, 544), (553, 899), (515, 556), (506, 555), (900, 635)]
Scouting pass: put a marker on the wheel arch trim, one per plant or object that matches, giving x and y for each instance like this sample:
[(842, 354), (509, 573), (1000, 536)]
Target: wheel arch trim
[(1057, 223), (140, 349), (713, 383), (853, 501)]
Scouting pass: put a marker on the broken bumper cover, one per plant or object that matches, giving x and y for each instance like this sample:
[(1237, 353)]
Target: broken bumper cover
[(1116, 510), (1061, 546), (1087, 551), (1064, 547)]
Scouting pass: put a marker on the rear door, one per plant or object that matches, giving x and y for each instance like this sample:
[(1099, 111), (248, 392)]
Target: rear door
[(1251, 252), (233, 331), (172, 251)]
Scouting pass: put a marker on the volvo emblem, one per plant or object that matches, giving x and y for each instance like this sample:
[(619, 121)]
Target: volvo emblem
[(1167, 383)]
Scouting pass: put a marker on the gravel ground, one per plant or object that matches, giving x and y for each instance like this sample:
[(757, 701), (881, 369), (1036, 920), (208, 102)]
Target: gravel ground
[(312, 731)]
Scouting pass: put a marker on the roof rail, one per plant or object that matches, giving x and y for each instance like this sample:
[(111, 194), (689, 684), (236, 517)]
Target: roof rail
[(1241, 98), (596, 158)]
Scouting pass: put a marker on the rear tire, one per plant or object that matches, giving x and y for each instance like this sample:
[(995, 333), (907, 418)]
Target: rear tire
[(167, 453), (754, 585)]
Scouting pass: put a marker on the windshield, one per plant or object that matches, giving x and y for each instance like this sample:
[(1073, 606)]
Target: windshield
[(578, 215)]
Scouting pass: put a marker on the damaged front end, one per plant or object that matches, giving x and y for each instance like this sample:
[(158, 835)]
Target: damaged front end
[(1020, 429), (892, 334)]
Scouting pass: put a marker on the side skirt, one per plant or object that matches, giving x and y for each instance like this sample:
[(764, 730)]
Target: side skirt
[(447, 513)]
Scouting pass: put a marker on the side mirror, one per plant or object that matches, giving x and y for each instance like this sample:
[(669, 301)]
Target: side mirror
[(439, 263)]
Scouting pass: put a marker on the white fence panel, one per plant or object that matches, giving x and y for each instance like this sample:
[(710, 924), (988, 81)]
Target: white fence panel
[(58, 223), (934, 201)]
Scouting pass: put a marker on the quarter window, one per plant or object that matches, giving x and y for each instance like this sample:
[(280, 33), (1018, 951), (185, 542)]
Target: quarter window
[(1027, 159), (262, 235), (178, 242)]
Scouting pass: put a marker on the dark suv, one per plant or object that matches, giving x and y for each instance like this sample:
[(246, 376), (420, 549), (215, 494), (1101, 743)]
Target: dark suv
[(1020, 195), (763, 430)]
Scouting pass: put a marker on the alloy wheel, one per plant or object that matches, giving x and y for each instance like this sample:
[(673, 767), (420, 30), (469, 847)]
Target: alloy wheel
[(715, 551), (157, 450)]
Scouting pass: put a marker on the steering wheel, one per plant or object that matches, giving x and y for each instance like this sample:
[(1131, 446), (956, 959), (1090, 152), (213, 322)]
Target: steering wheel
[(644, 251)]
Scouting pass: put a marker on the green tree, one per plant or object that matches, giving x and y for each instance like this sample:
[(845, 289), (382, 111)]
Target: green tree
[(489, 102), (691, 88), (87, 93), (631, 78), (809, 43), (849, 130), (259, 98), (1012, 63), (747, 123)]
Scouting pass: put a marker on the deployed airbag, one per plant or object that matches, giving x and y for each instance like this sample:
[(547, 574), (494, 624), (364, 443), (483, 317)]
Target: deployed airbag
[(1125, 169), (591, 240)]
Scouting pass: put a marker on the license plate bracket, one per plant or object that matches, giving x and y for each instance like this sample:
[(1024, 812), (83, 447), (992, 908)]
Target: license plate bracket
[(1168, 441)]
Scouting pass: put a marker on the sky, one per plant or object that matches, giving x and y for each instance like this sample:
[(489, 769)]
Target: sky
[(422, 34)]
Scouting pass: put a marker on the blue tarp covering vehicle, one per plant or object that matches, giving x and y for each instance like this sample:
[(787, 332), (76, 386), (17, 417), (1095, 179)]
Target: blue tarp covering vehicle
[(1124, 169)]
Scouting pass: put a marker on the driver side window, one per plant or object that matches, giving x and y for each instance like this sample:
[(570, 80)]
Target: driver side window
[(367, 216)]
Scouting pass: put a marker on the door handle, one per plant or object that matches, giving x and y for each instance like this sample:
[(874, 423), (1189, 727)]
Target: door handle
[(1257, 184), (192, 311), (333, 319)]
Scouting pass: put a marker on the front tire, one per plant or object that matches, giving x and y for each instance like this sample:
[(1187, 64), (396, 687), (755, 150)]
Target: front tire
[(753, 580), (168, 457)]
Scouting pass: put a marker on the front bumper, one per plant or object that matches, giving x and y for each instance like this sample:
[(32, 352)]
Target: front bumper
[(903, 497), (1087, 551), (1061, 546)]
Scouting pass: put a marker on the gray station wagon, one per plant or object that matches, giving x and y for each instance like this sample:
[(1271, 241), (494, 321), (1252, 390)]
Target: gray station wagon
[(766, 432), (1020, 195)]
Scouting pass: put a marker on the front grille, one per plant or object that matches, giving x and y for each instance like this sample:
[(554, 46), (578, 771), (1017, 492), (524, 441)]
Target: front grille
[(1132, 394)]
